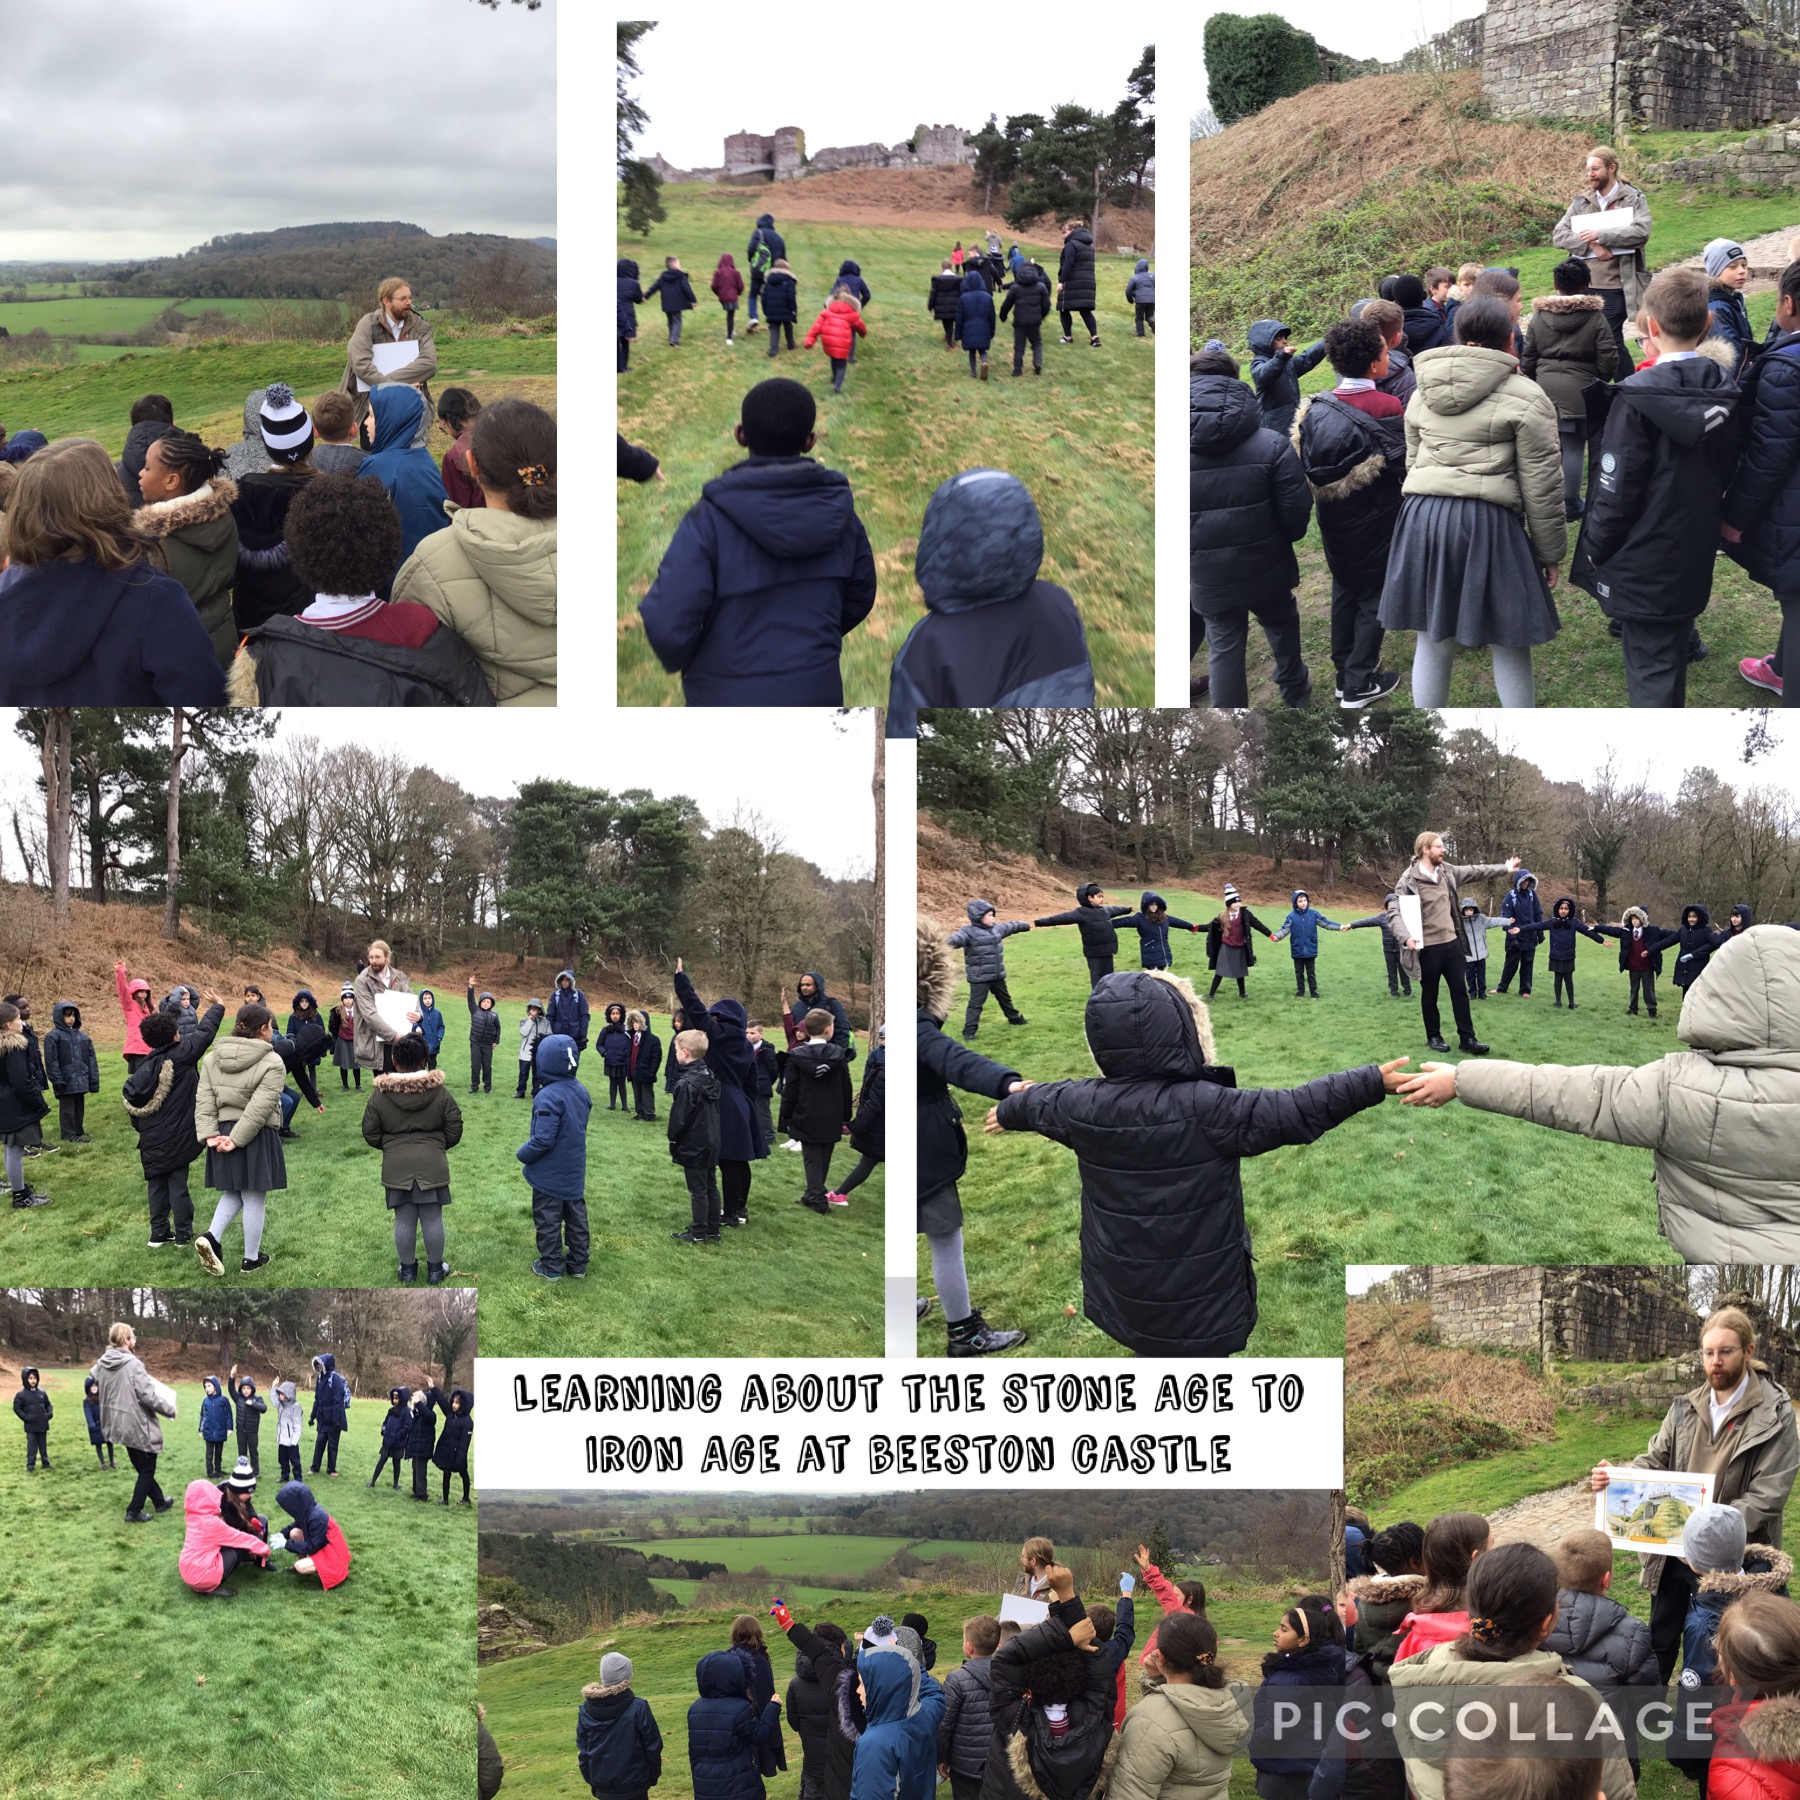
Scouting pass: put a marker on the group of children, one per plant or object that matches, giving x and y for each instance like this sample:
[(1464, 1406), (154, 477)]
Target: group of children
[(1459, 442), (327, 558)]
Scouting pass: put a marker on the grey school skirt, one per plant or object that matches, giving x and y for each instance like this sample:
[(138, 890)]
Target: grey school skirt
[(1464, 569)]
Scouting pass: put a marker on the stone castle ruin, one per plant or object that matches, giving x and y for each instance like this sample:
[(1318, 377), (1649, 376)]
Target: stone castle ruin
[(1670, 65), (752, 159)]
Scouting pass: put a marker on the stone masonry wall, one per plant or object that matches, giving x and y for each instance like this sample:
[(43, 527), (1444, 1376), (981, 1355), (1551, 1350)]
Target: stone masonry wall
[(1550, 59), (1765, 159)]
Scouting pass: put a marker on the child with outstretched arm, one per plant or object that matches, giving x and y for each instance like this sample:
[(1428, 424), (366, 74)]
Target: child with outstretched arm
[(1165, 1252), (1301, 928), (1399, 982), (1098, 924), (984, 963)]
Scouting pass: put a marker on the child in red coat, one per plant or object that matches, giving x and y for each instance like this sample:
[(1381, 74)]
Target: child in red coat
[(728, 286), (840, 325)]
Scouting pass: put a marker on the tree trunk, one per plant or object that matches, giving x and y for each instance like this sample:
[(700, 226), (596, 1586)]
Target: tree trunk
[(178, 748), (878, 949), (1337, 1542), (987, 199), (97, 823), (59, 729)]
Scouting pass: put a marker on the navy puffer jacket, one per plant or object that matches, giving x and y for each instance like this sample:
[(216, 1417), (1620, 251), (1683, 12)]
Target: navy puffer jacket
[(729, 1056), (396, 1422), (993, 633), (1763, 500), (631, 297), (1321, 1666), (422, 1436), (617, 1742), (1694, 946), (850, 275), (983, 957), (452, 1452), (726, 1733), (1152, 922), (944, 1064), (975, 314), (1522, 908), (331, 1395), (1165, 1253), (1248, 501)]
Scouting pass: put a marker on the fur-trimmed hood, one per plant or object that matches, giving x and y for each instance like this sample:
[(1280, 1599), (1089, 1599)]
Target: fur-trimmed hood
[(1018, 1761), (599, 1690), (165, 1081), (1332, 475), (1771, 1728), (163, 518), (1568, 303), (416, 1081), (1634, 913), (1148, 1024), (1718, 350), (1387, 1590), (1776, 1569), (937, 973), (11, 1039)]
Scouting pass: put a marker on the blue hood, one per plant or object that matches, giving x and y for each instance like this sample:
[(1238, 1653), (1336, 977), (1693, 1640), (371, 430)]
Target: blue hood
[(766, 221), (397, 410), (213, 1386), (979, 910), (982, 542), (1297, 896), (1520, 879), (1746, 912), (847, 267), (732, 1011), (295, 1498), (789, 507), (720, 1675), (557, 1058), (567, 975), (819, 997), (1263, 334), (22, 446), (327, 1362), (615, 1013), (974, 284), (1143, 266), (890, 1677), (628, 267), (1147, 899)]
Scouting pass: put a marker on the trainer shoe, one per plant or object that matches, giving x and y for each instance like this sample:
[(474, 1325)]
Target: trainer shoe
[(837, 1199), (251, 1264), (161, 1243), (36, 1150), (537, 1268), (1760, 672), (1383, 684), (206, 1247)]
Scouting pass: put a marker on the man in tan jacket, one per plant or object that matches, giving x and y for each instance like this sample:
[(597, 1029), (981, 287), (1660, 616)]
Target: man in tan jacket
[(1615, 254), (375, 1035), (1738, 1427), (392, 322)]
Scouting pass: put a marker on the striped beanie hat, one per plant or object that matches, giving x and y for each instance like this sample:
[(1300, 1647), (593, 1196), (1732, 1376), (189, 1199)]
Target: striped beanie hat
[(286, 430), (1231, 894)]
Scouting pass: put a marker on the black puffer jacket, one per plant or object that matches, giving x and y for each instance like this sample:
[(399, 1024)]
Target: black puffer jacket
[(1165, 1254), (1763, 501), (1248, 502), (1601, 1642), (452, 1452), (835, 1671), (286, 663), (159, 1098), (31, 1403), (944, 1064), (1099, 935), (1023, 1761), (945, 295), (808, 1707), (1355, 466), (1075, 272), (965, 1729), (1027, 301)]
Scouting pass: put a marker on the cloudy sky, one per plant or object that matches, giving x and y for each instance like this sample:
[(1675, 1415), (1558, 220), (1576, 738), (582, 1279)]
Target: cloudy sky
[(859, 80), (1384, 29), (828, 817), (143, 129)]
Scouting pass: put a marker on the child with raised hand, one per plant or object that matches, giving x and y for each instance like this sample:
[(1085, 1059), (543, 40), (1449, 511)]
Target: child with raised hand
[(1301, 929), (617, 1743), (237, 1116), (1051, 1696), (421, 1441), (533, 1029), (1721, 1116), (1308, 1653), (1172, 1596), (73, 1069), (415, 1124), (839, 325), (215, 1424), (135, 1006), (452, 1453), (484, 1034), (314, 1539), (1165, 1257), (1181, 1737), (35, 1412), (694, 1137)]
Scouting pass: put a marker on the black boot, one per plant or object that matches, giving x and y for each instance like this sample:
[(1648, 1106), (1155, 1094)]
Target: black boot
[(1472, 1046), (409, 1273), (974, 1336), (1436, 1043)]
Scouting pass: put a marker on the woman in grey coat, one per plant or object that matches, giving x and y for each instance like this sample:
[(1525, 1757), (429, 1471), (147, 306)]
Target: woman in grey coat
[(130, 1402)]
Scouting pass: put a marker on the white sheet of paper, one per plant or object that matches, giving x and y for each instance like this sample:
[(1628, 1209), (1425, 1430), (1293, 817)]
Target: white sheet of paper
[(1610, 224), (393, 1006), (388, 357), (1023, 1608), (1412, 916)]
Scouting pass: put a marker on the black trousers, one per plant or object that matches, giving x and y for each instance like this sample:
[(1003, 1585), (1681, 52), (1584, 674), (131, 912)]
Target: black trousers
[(1215, 986), (464, 1473), (387, 1456), (1305, 974), (421, 1479), (246, 1446), (815, 1159), (759, 1110), (1399, 982), (730, 323), (1227, 635), (1520, 962), (1562, 980), (978, 993), (624, 354), (37, 1445), (1098, 967), (644, 1094), (949, 333), (1612, 301), (325, 1448), (144, 1461), (104, 1451), (1656, 661), (1643, 981), (70, 1109), (481, 1067), (287, 1460), (215, 1458), (704, 1206), (1444, 962), (1477, 978), (171, 1205), (558, 1222), (615, 1090), (1145, 314), (1675, 1590), (776, 326), (865, 1167), (1356, 634), (1087, 318), (1034, 336), (734, 1185)]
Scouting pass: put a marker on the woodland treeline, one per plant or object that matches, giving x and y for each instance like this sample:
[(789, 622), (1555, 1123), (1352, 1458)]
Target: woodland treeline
[(1344, 793), (325, 845), (377, 1336)]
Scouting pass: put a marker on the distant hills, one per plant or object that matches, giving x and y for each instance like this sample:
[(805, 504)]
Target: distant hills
[(343, 260)]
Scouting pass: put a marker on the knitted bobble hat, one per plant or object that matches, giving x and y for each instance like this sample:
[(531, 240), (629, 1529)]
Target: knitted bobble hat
[(287, 432), (1231, 894)]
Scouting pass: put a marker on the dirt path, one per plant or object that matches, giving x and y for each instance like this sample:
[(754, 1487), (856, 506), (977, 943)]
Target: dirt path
[(1767, 256), (1543, 1518)]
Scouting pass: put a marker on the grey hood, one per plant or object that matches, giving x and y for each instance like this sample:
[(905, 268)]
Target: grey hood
[(982, 542)]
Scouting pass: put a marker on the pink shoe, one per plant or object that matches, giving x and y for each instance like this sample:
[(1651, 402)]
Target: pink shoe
[(838, 1199), (1759, 671)]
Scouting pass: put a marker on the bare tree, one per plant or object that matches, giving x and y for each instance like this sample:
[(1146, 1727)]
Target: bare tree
[(179, 745), (55, 755), (1606, 823)]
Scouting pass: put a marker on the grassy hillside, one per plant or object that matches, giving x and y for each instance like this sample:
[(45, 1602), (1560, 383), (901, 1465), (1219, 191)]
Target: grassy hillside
[(331, 1228), (1453, 1185), (70, 313), (136, 1685), (1079, 437), (208, 382), (807, 1553)]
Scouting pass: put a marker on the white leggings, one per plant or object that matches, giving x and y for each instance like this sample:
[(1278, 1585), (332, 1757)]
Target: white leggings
[(251, 1205), (1432, 663)]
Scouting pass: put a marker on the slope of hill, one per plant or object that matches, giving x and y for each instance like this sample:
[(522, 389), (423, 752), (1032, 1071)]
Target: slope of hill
[(1292, 207)]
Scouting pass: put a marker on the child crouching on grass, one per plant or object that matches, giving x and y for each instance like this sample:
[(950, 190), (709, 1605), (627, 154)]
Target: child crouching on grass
[(840, 325), (1165, 1251), (315, 1537), (694, 1137), (415, 1124), (1721, 1116)]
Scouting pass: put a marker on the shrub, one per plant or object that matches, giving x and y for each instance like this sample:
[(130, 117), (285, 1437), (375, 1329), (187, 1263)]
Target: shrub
[(1253, 60)]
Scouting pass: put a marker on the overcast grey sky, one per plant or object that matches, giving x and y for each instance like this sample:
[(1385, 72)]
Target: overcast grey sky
[(144, 129), (859, 79), (1382, 29), (808, 775)]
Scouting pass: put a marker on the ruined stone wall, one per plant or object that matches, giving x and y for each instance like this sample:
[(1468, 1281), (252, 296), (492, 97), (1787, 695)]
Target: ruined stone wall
[(1765, 159), (1458, 48), (747, 152), (783, 155), (1550, 59), (789, 151)]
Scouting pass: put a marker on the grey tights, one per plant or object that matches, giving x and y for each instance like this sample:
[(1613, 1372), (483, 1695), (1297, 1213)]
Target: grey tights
[(409, 1220), (948, 1273), (251, 1205), (1432, 663), (15, 1167)]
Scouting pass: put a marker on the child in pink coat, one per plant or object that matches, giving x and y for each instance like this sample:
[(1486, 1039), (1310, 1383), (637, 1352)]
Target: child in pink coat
[(136, 1005), (212, 1549)]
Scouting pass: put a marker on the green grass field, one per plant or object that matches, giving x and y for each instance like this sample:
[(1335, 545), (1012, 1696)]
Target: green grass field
[(1452, 1185), (532, 1701), (331, 1227), (1582, 665), (208, 382), (909, 418), (70, 314), (130, 1684), (801, 1554)]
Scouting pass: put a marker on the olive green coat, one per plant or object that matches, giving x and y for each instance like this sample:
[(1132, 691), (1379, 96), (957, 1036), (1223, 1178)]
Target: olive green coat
[(199, 540), (413, 1121), (241, 1080)]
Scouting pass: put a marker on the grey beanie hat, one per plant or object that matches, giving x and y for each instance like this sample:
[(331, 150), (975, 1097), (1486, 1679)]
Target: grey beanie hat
[(910, 1641), (1713, 1541), (615, 1670), (1720, 254)]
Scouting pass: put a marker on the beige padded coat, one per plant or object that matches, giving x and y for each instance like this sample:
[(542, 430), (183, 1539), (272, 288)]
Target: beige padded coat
[(492, 579), (1723, 1116), (1476, 429), (1177, 1744), (241, 1080)]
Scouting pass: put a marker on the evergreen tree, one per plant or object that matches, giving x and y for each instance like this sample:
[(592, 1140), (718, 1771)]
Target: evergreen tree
[(640, 187)]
